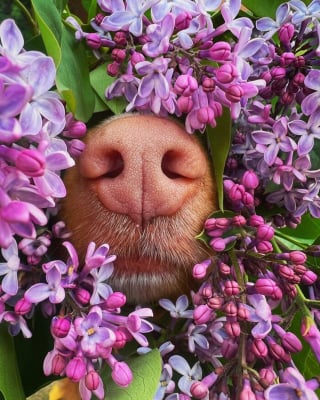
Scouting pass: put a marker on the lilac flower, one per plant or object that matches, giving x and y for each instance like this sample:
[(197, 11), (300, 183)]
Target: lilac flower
[(307, 130), (92, 334), (166, 384), (161, 8), (12, 100), (310, 201), (275, 141), (196, 337), (127, 86), (40, 75), (153, 78), (189, 375), (178, 310), (101, 290), (130, 19), (304, 11), (260, 313), (158, 36), (51, 290), (10, 269), (270, 26), (17, 324), (293, 387)]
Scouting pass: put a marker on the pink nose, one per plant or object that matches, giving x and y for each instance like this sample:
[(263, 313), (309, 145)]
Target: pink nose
[(143, 166)]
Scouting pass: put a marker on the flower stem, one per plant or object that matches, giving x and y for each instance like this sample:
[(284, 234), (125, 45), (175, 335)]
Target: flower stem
[(28, 15)]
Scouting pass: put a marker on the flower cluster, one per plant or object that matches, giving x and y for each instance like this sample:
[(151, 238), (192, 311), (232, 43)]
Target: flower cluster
[(176, 62)]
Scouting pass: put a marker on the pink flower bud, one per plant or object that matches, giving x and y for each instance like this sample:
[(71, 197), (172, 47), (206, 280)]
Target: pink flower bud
[(121, 339), (264, 232), (259, 348), (23, 306), (220, 51), (229, 348), (76, 130), (231, 288), (309, 278), (234, 93), (31, 162), (75, 147), (297, 257), (278, 73), (92, 380), (118, 55), (232, 328), (226, 73), (239, 220), (185, 104), (299, 78), (93, 40), (264, 247), (208, 84), (58, 364), (246, 392), (60, 326), (120, 38), (286, 33), (199, 270), (76, 369), (250, 180), (287, 58), (215, 233), (291, 342), (113, 68), (121, 374), (115, 300), (224, 269), (185, 85), (230, 309), (268, 375), (236, 192), (82, 296), (248, 199), (300, 62), (136, 57), (202, 314), (265, 286), (206, 115), (199, 390), (286, 272), (182, 20), (215, 302), (218, 244)]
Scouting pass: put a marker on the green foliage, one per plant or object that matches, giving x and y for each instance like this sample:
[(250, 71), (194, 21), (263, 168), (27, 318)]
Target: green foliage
[(264, 8), (219, 139), (10, 382), (146, 371)]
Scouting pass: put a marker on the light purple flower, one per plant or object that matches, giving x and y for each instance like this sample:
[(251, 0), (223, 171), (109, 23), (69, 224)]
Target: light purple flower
[(101, 290), (196, 337), (260, 313), (310, 200), (163, 7), (153, 79), (17, 324), (166, 384), (10, 269), (92, 333), (158, 36), (51, 290), (130, 19), (270, 26), (293, 386), (178, 310), (273, 142), (13, 98), (303, 11), (189, 375), (308, 131)]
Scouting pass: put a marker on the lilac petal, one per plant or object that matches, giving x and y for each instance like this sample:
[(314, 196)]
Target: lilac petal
[(261, 329), (179, 364), (271, 153), (146, 85), (167, 304), (251, 47), (298, 127), (50, 184), (36, 215), (310, 103), (11, 37), (202, 341), (293, 377), (37, 293), (30, 120), (185, 40), (263, 137), (57, 296), (5, 234), (12, 250), (162, 87), (312, 80), (282, 12), (12, 100), (59, 160), (136, 27), (305, 144), (281, 391), (41, 75), (51, 108), (118, 20), (10, 283), (182, 303), (184, 384)]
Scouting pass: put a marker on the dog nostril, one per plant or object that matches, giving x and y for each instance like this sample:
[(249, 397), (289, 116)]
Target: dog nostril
[(115, 165), (171, 165)]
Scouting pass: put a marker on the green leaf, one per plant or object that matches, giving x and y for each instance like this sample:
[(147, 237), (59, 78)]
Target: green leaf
[(265, 8), (50, 26), (72, 79), (10, 382), (306, 232), (219, 139), (146, 371)]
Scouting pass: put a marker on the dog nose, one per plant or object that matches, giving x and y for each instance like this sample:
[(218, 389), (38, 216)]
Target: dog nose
[(143, 166)]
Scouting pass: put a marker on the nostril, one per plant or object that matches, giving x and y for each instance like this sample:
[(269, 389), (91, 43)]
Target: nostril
[(115, 165), (171, 165)]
